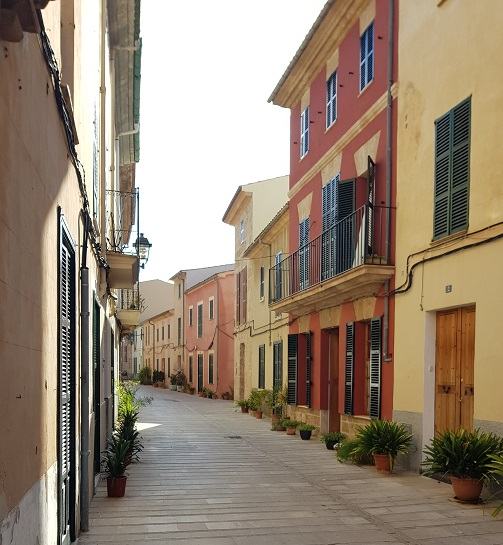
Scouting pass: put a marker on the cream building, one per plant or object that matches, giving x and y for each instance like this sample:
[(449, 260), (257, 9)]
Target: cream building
[(448, 370), (261, 234), (69, 104)]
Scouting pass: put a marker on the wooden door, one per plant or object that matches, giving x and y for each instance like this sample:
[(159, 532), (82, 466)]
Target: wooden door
[(242, 371), (333, 354), (454, 369)]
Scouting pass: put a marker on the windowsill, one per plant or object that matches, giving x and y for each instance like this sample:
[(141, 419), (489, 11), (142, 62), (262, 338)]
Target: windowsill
[(261, 299), (330, 126), (303, 156), (365, 88), (448, 238)]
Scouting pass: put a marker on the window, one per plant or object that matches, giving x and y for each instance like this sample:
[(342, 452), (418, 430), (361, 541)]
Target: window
[(261, 366), (262, 283), (242, 231), (211, 309), (191, 368), (169, 367), (163, 365), (179, 361), (200, 320), (179, 290), (241, 296), (191, 317), (210, 368), (162, 333), (157, 364), (299, 369), (367, 56), (452, 170), (278, 277), (179, 331), (329, 218), (157, 334), (331, 99), (277, 366), (200, 372), (304, 132), (169, 331), (304, 254)]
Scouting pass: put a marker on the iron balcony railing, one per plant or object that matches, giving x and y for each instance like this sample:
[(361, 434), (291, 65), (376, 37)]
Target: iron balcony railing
[(355, 240), (122, 219), (129, 299)]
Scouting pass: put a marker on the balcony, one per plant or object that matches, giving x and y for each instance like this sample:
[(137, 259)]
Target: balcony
[(121, 229), (345, 262), (128, 307)]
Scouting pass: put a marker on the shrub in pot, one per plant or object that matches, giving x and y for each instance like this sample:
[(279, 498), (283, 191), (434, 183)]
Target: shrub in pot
[(243, 405), (332, 439), (305, 431), (349, 451), (496, 473), (115, 465), (290, 426), (466, 457), (384, 440), (145, 375)]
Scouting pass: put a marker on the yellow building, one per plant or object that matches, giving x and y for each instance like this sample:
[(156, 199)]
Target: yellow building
[(159, 346), (261, 236), (449, 263)]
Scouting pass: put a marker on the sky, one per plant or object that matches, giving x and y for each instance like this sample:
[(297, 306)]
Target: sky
[(208, 68)]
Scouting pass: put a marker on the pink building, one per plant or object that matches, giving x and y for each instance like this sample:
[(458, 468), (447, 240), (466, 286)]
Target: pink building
[(209, 327)]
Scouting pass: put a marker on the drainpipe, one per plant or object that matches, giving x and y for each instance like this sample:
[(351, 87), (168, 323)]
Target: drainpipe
[(84, 381), (269, 288), (103, 126), (389, 143), (153, 344)]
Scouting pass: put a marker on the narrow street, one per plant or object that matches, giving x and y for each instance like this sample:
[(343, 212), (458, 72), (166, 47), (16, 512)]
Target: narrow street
[(212, 476)]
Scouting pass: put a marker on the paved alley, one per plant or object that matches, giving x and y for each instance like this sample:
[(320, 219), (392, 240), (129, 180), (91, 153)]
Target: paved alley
[(212, 476)]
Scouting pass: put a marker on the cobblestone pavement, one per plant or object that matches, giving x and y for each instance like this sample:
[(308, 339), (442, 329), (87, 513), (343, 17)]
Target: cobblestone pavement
[(212, 476)]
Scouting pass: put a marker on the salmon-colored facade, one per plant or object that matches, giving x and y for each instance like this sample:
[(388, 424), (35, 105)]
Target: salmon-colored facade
[(336, 281), (209, 340)]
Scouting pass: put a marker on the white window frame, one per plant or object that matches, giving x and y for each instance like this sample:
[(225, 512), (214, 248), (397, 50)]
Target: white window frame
[(332, 99), (368, 57), (191, 315), (304, 132), (211, 308)]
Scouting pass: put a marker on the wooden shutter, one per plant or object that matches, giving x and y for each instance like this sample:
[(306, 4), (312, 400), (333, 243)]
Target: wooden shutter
[(308, 337), (238, 297), (261, 366), (292, 369), (277, 379), (348, 369), (244, 287), (304, 253), (371, 175), (375, 368), (345, 245), (452, 170)]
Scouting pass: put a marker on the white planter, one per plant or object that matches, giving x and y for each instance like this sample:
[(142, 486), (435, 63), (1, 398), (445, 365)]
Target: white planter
[(179, 388), (172, 387)]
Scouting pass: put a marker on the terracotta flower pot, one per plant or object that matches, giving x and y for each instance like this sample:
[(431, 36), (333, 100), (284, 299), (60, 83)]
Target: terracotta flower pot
[(467, 489), (116, 486), (382, 462), (244, 409), (290, 431), (275, 419), (280, 428), (258, 415)]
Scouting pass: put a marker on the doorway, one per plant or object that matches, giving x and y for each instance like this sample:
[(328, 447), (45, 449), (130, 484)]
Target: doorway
[(200, 373), (242, 371), (334, 421), (454, 369)]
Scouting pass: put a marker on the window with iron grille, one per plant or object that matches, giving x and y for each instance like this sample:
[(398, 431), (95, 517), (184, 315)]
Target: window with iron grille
[(304, 132), (261, 366), (367, 56), (200, 320), (278, 280), (331, 99)]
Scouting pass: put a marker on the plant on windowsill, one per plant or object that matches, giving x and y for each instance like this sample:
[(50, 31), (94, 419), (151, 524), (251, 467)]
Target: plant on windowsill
[(114, 462), (466, 457), (383, 440), (333, 439), (305, 431), (243, 405), (290, 426)]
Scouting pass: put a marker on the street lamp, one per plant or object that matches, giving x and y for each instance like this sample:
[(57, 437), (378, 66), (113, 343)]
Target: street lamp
[(142, 246)]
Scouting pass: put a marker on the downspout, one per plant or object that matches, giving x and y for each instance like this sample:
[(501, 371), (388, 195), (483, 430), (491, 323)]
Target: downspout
[(153, 344), (84, 381), (103, 126), (216, 317), (389, 143), (269, 288)]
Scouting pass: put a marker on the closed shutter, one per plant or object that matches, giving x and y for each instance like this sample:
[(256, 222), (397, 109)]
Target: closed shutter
[(348, 368), (261, 366), (452, 170), (243, 295), (238, 297), (375, 368), (292, 369), (210, 368), (308, 337), (371, 174), (199, 321), (277, 379), (345, 244), (304, 253)]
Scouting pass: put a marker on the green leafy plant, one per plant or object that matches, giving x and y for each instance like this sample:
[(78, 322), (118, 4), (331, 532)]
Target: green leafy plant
[(383, 437), (496, 472), (462, 453), (334, 437), (178, 378), (349, 451), (243, 403), (287, 423), (255, 400), (145, 375), (158, 376), (306, 427), (115, 456), (208, 393)]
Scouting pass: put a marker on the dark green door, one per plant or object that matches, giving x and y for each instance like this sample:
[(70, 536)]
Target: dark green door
[(200, 373)]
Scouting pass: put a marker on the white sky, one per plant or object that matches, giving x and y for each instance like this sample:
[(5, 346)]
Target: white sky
[(208, 68)]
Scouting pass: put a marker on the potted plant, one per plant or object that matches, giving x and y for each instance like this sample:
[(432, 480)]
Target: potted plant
[(384, 440), (332, 439), (496, 472), (115, 465), (466, 457), (290, 426), (349, 451), (305, 431), (243, 405), (145, 375), (172, 385), (254, 403)]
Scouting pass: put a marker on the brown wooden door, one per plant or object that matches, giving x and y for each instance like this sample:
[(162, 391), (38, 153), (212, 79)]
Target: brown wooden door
[(333, 354), (242, 371), (454, 369)]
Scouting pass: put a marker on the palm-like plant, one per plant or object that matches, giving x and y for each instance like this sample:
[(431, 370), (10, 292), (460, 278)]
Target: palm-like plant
[(496, 469), (462, 453), (115, 457), (383, 437)]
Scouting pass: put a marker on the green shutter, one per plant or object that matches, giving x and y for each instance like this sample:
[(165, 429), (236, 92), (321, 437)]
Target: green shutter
[(348, 368), (344, 229), (375, 368), (452, 170), (292, 369), (261, 366), (308, 337)]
